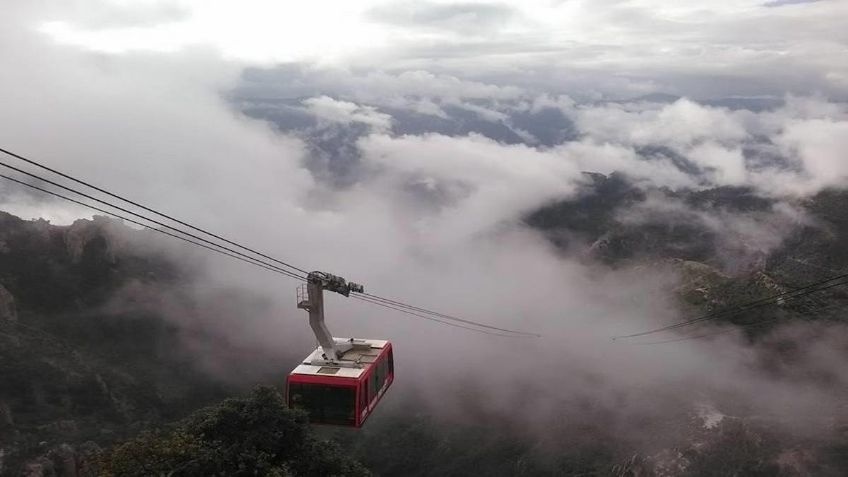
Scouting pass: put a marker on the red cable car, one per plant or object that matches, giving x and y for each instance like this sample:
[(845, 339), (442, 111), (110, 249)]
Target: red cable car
[(341, 382), (342, 395)]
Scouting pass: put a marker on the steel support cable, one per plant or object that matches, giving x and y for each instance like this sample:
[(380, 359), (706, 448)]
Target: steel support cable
[(111, 194), (232, 252), (430, 318), (448, 317), (136, 204), (745, 325), (249, 260), (135, 214), (146, 226), (257, 263), (737, 309)]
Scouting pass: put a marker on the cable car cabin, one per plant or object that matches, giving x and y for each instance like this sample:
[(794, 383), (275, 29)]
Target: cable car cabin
[(343, 395)]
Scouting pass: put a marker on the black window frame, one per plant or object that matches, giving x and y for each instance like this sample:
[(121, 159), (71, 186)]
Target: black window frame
[(324, 398), (373, 388)]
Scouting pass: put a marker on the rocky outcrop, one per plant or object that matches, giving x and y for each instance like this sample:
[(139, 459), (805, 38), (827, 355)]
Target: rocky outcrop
[(91, 238), (635, 466), (66, 461), (42, 467), (8, 311), (60, 384), (6, 418)]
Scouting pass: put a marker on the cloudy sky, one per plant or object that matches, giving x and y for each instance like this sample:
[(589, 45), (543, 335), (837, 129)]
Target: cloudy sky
[(594, 81), (611, 47), (401, 143)]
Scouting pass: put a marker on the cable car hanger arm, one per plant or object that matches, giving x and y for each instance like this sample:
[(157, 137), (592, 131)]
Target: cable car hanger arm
[(311, 299)]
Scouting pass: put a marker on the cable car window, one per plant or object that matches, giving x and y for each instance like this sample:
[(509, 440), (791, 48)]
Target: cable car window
[(391, 362), (382, 371), (372, 385), (324, 404)]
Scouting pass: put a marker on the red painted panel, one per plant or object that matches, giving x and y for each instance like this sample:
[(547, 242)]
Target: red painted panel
[(363, 408), (390, 377)]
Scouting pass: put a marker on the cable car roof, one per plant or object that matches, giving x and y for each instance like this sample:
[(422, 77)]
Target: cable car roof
[(365, 353)]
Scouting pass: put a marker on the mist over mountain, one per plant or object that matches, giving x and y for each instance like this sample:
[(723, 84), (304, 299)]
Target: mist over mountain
[(581, 170), (126, 365)]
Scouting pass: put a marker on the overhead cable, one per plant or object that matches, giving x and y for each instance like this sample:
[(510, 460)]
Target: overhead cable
[(148, 209), (134, 214), (257, 263), (442, 315), (216, 247), (775, 299), (148, 227), (507, 333)]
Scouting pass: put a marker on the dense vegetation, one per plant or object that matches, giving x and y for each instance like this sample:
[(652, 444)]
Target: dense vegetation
[(257, 435), (76, 369)]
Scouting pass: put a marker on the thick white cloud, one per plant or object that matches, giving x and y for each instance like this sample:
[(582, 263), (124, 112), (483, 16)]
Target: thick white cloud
[(809, 133), (491, 182), (345, 112), (426, 84), (821, 146), (683, 47), (606, 158), (680, 125)]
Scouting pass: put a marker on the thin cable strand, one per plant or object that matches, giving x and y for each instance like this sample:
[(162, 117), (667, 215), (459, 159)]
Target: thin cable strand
[(735, 310), (379, 301), (448, 317), (148, 227), (122, 209), (745, 325), (374, 302), (128, 201), (119, 197)]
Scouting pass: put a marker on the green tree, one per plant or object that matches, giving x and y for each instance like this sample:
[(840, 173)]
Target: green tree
[(256, 435)]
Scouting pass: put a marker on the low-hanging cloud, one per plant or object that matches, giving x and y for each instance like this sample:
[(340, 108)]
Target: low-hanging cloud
[(723, 144), (329, 109), (780, 3)]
